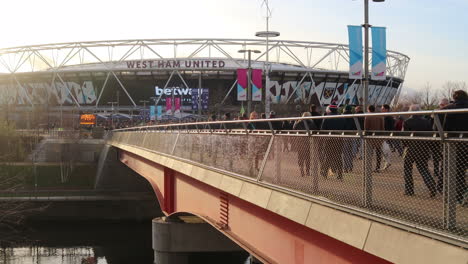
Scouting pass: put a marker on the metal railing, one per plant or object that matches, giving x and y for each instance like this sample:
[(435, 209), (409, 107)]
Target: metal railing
[(369, 173), (62, 133)]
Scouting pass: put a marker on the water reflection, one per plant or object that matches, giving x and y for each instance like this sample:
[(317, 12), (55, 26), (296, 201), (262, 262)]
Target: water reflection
[(91, 243), (80, 243), (34, 254)]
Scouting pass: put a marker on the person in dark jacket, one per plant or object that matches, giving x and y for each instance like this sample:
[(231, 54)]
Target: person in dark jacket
[(348, 145), (359, 110), (300, 124), (349, 122), (389, 121), (226, 117), (459, 122), (333, 147), (262, 125), (302, 145), (417, 153), (313, 112), (277, 125)]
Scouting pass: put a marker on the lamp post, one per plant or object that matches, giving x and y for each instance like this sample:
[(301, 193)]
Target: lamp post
[(112, 113), (144, 103), (200, 92), (249, 78), (267, 34), (366, 52)]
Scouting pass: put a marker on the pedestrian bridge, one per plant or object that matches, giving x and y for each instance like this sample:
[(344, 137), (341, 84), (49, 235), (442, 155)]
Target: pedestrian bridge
[(311, 196)]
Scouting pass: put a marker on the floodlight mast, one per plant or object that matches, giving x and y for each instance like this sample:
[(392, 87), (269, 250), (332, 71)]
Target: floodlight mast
[(267, 34)]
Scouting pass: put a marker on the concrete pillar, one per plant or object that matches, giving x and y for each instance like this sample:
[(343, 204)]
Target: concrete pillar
[(254, 260), (175, 238)]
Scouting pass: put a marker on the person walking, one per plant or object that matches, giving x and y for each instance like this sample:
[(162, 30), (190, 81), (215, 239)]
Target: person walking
[(302, 145), (348, 146), (262, 125), (277, 125), (417, 153), (226, 117), (253, 115), (388, 145), (375, 123), (358, 110), (458, 122), (333, 147), (313, 112)]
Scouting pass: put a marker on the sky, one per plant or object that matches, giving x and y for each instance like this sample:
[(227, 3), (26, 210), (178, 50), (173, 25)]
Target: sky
[(432, 33)]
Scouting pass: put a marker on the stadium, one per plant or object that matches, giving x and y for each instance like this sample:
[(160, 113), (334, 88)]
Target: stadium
[(198, 75)]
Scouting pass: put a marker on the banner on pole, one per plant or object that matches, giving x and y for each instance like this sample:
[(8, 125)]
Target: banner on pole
[(152, 112), (257, 85), (379, 53), (177, 106), (355, 52), (168, 106), (159, 111), (241, 84)]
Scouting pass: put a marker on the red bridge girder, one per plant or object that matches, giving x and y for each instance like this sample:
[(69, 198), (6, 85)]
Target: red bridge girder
[(270, 237)]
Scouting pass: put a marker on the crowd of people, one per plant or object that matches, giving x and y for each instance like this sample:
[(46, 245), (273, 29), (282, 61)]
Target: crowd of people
[(413, 152)]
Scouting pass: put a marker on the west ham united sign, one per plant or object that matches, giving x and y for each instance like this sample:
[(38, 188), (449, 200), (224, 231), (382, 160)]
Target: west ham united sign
[(176, 64)]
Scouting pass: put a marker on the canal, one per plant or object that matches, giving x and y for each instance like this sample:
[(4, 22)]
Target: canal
[(90, 243)]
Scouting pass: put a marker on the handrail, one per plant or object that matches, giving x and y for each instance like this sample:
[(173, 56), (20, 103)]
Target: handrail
[(408, 113)]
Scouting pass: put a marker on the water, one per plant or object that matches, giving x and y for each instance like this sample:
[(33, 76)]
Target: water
[(90, 243)]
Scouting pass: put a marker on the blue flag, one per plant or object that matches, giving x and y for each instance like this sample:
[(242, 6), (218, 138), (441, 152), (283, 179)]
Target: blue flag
[(379, 53), (355, 52)]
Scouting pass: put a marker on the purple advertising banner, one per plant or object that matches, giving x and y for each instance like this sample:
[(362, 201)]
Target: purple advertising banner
[(257, 85), (241, 84)]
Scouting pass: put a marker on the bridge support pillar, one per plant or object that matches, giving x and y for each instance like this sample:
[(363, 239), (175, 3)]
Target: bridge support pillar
[(254, 260), (174, 239)]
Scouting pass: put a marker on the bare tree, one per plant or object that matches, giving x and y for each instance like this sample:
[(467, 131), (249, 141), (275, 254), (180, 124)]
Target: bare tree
[(447, 89), (428, 97), (462, 86), (407, 98), (450, 86)]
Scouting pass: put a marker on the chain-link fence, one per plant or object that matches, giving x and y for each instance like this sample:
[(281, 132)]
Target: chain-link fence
[(417, 179)]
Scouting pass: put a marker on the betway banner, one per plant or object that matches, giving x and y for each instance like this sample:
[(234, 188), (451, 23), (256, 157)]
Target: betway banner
[(176, 99), (355, 52), (379, 53)]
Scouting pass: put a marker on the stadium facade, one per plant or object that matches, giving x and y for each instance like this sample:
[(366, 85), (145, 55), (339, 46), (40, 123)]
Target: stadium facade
[(93, 75)]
